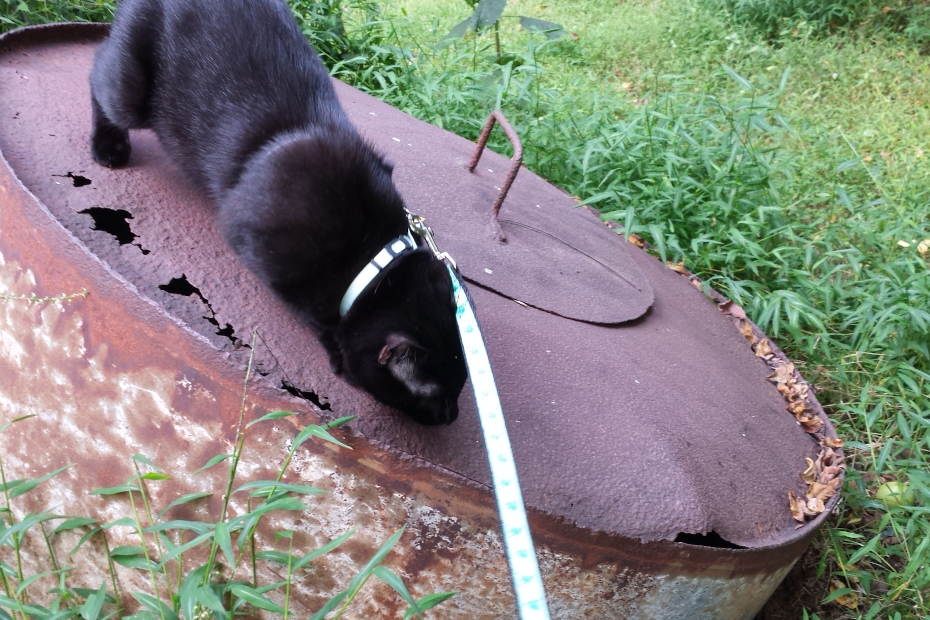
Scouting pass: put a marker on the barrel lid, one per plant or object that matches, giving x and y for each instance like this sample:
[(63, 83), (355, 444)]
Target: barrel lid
[(648, 429), (557, 257)]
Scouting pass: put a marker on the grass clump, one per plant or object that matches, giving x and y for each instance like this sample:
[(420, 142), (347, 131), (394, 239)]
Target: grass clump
[(16, 13), (775, 18)]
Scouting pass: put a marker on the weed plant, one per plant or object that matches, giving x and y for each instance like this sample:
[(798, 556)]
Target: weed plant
[(775, 18), (777, 148), (195, 568)]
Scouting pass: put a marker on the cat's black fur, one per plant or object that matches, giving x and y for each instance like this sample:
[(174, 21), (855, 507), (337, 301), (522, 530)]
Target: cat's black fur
[(243, 104)]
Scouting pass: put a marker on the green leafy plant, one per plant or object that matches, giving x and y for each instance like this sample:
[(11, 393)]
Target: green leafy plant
[(340, 30), (486, 15), (192, 566)]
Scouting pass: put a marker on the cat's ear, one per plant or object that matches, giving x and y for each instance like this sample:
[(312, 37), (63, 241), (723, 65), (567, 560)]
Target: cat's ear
[(399, 355), (388, 167), (396, 347)]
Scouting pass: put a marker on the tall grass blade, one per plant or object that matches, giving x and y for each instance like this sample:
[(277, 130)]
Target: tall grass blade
[(90, 610), (27, 486)]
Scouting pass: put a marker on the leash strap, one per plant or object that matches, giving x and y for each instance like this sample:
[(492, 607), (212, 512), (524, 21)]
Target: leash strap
[(524, 569)]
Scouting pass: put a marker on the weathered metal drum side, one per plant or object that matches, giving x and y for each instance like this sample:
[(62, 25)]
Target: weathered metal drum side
[(626, 436)]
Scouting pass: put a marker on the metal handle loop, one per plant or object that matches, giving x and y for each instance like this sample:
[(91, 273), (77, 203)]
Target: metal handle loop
[(517, 159)]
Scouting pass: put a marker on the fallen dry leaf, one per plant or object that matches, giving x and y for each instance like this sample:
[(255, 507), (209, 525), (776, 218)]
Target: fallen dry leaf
[(784, 374), (746, 330), (809, 475), (811, 424), (797, 507), (728, 307), (797, 408), (814, 506), (903, 244), (677, 267), (823, 492), (830, 475), (637, 241), (848, 600), (924, 247), (764, 349), (831, 442)]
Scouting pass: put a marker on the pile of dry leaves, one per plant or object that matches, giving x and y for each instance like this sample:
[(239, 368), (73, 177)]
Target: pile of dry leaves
[(822, 476)]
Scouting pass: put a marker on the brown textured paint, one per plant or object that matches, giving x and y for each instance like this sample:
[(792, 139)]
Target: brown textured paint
[(616, 468)]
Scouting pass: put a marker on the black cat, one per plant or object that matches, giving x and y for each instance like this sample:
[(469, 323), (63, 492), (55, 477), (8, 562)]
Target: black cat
[(242, 103)]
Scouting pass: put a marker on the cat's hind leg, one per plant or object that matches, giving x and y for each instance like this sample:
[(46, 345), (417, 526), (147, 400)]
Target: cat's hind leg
[(109, 144), (120, 82)]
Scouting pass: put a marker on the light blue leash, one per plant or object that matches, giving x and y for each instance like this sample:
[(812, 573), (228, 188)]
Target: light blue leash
[(524, 570)]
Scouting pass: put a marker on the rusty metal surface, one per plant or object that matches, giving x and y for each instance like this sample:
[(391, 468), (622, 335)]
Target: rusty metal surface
[(623, 435)]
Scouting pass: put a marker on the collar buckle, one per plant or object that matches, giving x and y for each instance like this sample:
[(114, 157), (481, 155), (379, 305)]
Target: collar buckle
[(417, 225)]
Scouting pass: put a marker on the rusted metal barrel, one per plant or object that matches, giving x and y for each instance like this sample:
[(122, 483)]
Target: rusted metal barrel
[(655, 455)]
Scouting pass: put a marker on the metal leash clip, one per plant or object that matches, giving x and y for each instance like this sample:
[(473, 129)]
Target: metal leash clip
[(417, 224)]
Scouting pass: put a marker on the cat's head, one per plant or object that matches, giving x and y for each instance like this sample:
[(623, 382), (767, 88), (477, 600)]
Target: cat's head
[(400, 341)]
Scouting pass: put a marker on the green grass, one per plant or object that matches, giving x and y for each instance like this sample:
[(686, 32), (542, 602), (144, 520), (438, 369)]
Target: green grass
[(783, 154), (15, 13)]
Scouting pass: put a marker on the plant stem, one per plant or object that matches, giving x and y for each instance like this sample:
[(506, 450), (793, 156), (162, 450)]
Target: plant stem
[(287, 585), (145, 551), (252, 548), (237, 454), (497, 39), (48, 545), (148, 512), (112, 569)]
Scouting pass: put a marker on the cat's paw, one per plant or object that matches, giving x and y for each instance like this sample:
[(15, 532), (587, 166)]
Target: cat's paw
[(110, 148)]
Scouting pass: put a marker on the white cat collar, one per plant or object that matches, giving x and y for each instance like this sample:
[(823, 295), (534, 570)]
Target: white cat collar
[(393, 249)]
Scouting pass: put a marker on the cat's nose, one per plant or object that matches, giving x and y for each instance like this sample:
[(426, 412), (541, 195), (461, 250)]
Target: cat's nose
[(436, 411), (444, 411)]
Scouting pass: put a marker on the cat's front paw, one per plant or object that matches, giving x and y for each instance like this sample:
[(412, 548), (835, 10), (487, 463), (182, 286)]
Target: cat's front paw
[(110, 148)]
